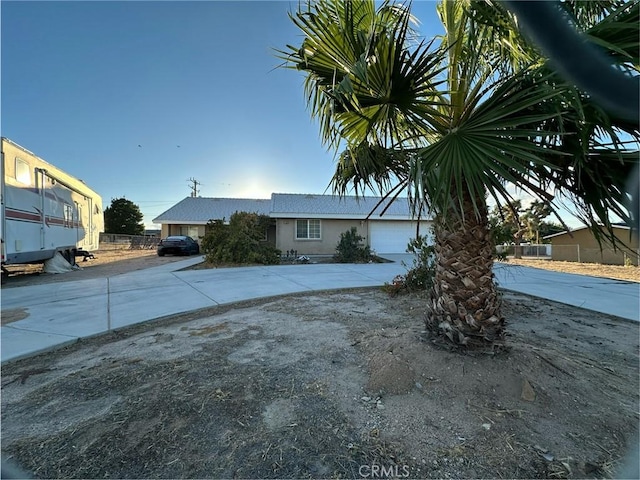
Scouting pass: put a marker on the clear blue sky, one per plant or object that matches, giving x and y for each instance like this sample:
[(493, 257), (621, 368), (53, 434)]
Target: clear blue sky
[(194, 83)]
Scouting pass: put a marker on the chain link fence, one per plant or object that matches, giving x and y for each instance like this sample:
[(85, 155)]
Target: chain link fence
[(542, 251), (573, 253), (111, 241)]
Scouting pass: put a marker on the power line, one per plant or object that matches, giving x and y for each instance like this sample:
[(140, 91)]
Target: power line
[(194, 187)]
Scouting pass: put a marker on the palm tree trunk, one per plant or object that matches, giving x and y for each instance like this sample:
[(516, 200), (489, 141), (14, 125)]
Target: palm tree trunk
[(465, 306)]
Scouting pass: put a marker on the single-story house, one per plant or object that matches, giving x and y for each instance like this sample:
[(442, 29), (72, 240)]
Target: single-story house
[(580, 245), (307, 224)]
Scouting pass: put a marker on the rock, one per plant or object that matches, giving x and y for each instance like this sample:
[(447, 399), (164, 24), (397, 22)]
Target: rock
[(486, 426), (528, 393)]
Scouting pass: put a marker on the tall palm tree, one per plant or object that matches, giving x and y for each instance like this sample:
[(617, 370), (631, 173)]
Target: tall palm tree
[(454, 122)]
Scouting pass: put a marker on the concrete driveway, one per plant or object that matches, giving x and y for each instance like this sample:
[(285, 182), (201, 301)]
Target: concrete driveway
[(61, 313)]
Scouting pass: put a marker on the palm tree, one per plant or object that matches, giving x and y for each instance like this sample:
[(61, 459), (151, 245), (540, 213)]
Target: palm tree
[(455, 123)]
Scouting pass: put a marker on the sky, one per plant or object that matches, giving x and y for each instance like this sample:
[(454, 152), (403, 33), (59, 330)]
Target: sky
[(136, 98)]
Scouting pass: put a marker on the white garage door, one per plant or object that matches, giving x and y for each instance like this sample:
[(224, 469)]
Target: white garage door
[(393, 236)]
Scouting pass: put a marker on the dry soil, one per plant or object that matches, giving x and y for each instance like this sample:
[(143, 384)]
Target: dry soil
[(345, 384), (618, 272)]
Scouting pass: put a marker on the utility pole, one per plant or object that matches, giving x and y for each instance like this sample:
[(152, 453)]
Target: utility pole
[(194, 186)]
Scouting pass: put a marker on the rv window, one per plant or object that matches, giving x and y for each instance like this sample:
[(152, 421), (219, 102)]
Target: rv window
[(68, 215), (23, 172)]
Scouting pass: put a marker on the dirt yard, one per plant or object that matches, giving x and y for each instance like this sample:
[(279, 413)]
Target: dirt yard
[(328, 385), (618, 272)]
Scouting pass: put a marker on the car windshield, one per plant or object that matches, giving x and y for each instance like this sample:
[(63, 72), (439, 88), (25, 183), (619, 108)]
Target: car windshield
[(175, 239)]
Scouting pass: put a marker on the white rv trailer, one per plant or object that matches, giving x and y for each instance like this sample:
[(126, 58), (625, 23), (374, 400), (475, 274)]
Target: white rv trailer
[(44, 210)]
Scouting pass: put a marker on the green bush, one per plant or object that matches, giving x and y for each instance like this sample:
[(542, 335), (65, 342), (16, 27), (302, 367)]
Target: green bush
[(349, 248), (240, 242), (421, 275)]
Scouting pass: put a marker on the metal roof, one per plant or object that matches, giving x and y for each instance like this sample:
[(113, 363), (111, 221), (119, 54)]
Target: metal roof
[(569, 232), (296, 205), (199, 210)]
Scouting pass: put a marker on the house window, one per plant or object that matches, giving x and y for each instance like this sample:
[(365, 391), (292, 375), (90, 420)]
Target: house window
[(308, 229), (23, 172)]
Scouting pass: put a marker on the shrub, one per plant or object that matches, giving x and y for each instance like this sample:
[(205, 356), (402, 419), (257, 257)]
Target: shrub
[(349, 248), (239, 242), (420, 276)]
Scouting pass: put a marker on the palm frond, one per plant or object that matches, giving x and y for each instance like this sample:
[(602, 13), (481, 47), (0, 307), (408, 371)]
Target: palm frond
[(363, 83), (464, 119)]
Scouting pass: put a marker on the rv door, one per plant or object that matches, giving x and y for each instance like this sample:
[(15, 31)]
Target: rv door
[(41, 187)]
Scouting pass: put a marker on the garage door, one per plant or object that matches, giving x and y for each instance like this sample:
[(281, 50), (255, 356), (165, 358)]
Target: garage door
[(393, 236)]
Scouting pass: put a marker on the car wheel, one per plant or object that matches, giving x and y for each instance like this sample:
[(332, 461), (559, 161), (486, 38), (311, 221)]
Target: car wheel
[(161, 254)]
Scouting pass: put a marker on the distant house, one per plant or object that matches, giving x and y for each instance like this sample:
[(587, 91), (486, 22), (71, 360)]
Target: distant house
[(580, 245), (306, 224)]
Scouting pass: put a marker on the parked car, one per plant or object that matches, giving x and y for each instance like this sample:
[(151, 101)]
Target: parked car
[(178, 245)]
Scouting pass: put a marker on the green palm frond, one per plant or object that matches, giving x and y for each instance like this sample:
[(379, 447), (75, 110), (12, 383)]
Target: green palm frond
[(369, 166), (617, 34), (363, 82), (586, 13)]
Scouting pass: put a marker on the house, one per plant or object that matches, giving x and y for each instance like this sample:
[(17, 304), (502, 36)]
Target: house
[(307, 224), (312, 224), (189, 216), (580, 245)]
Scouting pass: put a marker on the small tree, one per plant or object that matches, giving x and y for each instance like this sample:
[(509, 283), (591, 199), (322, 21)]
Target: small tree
[(123, 216), (533, 217), (350, 248), (513, 223), (241, 241), (550, 228)]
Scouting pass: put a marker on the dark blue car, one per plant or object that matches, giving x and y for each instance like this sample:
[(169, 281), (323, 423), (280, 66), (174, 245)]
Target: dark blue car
[(178, 245)]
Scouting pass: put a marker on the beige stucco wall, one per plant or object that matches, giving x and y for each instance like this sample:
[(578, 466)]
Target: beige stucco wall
[(330, 231), (583, 247), (173, 229)]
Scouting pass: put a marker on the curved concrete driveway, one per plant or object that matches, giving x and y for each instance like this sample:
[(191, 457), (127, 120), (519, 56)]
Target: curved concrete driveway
[(61, 313)]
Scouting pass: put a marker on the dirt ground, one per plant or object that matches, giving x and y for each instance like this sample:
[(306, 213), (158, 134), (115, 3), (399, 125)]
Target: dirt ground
[(618, 272), (329, 385), (106, 263)]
